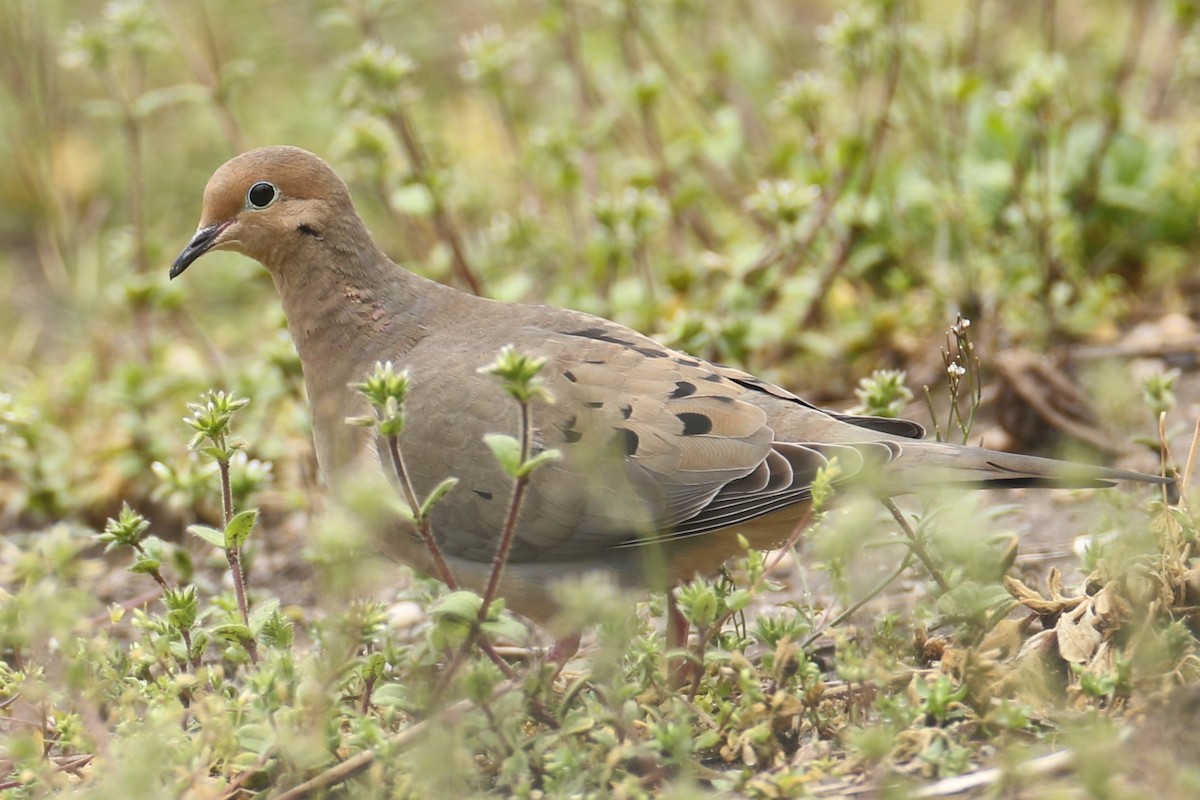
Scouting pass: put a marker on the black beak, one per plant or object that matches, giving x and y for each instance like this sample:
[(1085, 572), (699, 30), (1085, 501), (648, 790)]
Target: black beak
[(200, 244)]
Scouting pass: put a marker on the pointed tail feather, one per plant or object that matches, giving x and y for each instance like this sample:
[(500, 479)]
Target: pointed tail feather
[(925, 464)]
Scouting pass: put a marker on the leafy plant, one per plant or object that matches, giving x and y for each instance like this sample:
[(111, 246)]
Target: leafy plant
[(807, 191)]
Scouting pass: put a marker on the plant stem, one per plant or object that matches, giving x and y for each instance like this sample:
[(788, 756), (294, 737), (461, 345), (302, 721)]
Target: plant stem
[(446, 229), (845, 244), (498, 562), (917, 546), (234, 556), (368, 687), (402, 741), (1089, 186), (862, 601), (193, 658), (585, 95), (423, 526), (514, 511)]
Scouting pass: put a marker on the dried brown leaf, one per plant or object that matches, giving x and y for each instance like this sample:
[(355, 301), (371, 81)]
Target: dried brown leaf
[(1077, 634), (1035, 602), (1007, 637)]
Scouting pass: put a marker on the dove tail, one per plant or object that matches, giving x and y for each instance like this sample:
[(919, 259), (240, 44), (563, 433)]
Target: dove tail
[(924, 464)]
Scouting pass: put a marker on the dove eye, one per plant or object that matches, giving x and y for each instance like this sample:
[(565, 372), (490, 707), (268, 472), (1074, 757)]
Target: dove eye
[(261, 195)]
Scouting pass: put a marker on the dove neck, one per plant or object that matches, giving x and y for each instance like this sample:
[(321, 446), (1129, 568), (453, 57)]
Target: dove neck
[(351, 305), (344, 314)]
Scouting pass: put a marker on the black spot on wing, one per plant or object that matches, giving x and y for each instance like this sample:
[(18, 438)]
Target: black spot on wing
[(594, 404), (897, 427), (695, 424), (627, 441), (713, 377), (683, 389), (601, 335), (626, 410), (568, 431), (570, 376), (486, 495)]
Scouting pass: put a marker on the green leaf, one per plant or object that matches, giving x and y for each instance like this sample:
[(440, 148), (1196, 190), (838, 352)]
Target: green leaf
[(481, 682), (261, 614), (392, 426), (437, 494), (255, 737), (233, 632), (457, 605), (704, 607), (157, 99), (414, 199), (239, 528), (738, 600), (216, 453), (211, 535), (374, 665), (577, 724), (393, 695), (145, 566), (507, 628), (544, 457), (402, 510), (507, 451)]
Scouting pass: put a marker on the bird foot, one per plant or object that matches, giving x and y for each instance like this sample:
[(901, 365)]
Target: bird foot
[(562, 651)]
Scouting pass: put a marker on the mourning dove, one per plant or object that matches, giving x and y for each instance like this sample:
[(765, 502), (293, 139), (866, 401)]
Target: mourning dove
[(666, 457)]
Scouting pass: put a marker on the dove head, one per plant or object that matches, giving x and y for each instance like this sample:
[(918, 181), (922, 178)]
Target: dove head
[(270, 204)]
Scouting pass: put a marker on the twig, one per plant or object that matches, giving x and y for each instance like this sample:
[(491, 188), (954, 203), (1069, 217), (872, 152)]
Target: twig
[(1050, 24), (401, 741), (862, 601), (525, 435), (72, 764), (916, 546), (1191, 460), (126, 605), (585, 94), (206, 65), (442, 222), (841, 255), (1049, 764), (1168, 60), (399, 121), (793, 538), (234, 787), (498, 561), (234, 555), (1089, 185), (424, 528), (674, 74), (193, 657)]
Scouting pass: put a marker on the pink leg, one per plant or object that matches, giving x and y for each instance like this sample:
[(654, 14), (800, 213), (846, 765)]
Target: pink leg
[(680, 671), (677, 624), (563, 650)]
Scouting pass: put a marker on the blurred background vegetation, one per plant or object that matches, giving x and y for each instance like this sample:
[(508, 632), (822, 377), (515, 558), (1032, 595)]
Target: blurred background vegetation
[(809, 190)]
